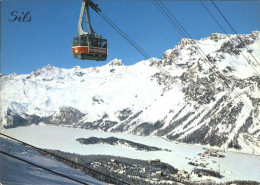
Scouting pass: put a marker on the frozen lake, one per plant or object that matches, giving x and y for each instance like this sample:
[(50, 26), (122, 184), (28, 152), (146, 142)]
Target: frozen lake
[(235, 166)]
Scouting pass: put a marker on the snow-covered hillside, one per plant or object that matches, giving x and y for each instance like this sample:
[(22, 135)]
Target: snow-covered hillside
[(211, 98), (14, 171)]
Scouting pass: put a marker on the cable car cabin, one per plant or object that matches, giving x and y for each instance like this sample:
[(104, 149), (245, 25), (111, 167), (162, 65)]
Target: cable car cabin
[(86, 47)]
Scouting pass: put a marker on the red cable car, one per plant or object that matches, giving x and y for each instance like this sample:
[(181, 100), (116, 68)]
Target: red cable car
[(88, 46)]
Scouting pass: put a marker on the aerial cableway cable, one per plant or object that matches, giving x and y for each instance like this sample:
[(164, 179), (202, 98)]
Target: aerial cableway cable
[(200, 51), (213, 17), (138, 48), (242, 42), (43, 168), (167, 16)]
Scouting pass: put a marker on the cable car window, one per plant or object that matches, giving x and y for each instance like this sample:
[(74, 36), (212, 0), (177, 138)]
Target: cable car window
[(80, 41), (100, 43), (104, 44), (83, 41), (94, 42), (75, 41)]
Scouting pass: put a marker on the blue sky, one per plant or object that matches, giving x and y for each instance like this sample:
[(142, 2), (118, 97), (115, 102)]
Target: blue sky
[(47, 38)]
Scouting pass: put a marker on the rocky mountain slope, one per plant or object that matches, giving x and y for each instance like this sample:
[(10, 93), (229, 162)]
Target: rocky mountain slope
[(209, 96)]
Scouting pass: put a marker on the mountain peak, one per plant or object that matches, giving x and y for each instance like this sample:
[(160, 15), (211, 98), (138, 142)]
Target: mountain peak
[(185, 41), (217, 36), (46, 71), (77, 67), (255, 34), (115, 62), (48, 68)]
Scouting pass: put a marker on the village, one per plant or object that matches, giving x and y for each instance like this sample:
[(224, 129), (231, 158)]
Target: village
[(153, 171), (149, 172), (207, 154), (212, 153)]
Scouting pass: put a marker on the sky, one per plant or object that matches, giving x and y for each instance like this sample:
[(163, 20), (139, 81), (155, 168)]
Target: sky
[(44, 36)]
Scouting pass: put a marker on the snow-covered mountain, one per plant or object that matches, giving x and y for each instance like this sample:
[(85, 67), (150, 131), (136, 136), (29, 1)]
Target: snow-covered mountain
[(209, 96)]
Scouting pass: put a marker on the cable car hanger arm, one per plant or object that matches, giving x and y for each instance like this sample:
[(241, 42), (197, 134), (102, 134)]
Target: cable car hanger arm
[(85, 7)]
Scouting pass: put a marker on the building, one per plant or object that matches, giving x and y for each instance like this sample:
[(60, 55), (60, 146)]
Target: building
[(155, 162)]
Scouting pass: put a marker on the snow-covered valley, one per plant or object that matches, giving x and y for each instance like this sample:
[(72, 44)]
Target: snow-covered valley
[(64, 139)]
